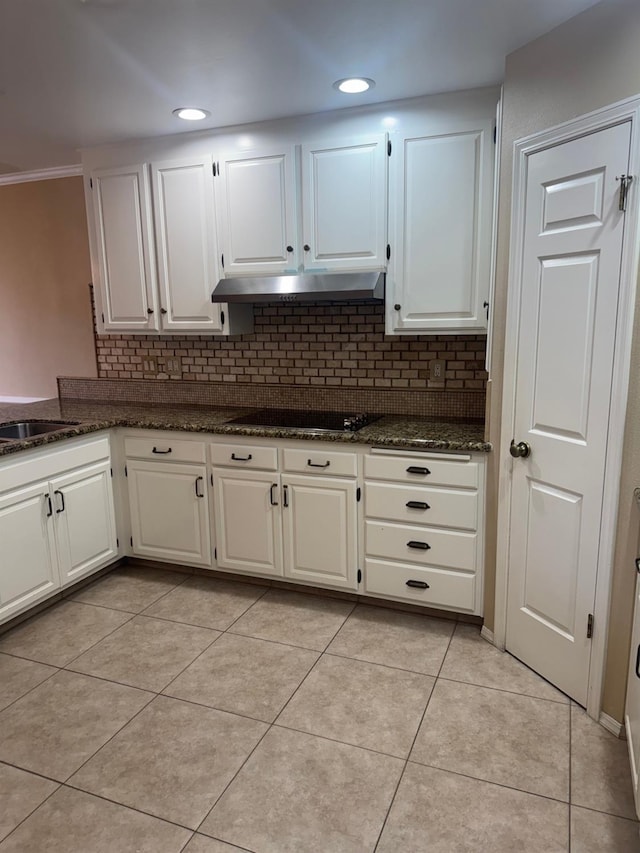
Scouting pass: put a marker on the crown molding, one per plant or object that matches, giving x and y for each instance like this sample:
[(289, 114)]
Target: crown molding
[(41, 175)]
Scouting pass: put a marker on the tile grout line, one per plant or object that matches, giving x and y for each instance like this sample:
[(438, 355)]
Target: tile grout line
[(32, 812), (569, 811), (415, 737)]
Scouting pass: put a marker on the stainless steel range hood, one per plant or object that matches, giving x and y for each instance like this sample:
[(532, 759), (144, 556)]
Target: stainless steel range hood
[(307, 287)]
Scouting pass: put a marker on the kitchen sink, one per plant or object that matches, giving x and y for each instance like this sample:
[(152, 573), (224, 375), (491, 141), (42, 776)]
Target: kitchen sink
[(29, 429)]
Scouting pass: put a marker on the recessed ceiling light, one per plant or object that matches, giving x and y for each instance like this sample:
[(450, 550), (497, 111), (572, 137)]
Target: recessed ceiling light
[(191, 113), (354, 85)]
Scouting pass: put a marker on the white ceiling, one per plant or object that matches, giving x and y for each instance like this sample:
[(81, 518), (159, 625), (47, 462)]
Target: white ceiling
[(84, 72)]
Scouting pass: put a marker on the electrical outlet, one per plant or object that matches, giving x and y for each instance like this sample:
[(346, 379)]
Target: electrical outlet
[(437, 369), (170, 366), (149, 365)]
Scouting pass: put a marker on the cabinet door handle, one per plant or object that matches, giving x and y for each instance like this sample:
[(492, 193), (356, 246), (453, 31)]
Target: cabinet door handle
[(271, 500), (307, 247), (419, 546), (47, 497), (289, 248), (638, 662), (418, 505), (417, 469), (318, 464), (285, 496), (198, 493), (149, 310), (241, 458), (163, 310), (58, 492), (161, 452), (418, 584)]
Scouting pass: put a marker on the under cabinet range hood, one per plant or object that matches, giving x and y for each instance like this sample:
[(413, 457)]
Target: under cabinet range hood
[(306, 287)]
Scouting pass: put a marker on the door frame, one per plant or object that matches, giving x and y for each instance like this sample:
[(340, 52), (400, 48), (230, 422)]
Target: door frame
[(627, 110)]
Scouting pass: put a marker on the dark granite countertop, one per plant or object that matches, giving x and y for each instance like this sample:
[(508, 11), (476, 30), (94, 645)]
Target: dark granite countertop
[(84, 416)]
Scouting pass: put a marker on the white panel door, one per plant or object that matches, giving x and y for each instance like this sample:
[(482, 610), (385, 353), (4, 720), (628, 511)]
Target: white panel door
[(344, 205), (441, 191), (247, 521), (319, 522), (124, 239), (28, 571), (632, 710), (185, 223), (257, 212), (85, 524), (169, 512), (573, 233)]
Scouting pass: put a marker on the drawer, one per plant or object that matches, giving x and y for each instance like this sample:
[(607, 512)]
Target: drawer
[(446, 548), (444, 507), (427, 471), (444, 588), (325, 462), (245, 456), (164, 449)]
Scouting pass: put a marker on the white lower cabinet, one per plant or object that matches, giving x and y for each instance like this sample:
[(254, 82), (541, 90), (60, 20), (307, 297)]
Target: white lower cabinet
[(169, 512), (59, 527), (298, 526)]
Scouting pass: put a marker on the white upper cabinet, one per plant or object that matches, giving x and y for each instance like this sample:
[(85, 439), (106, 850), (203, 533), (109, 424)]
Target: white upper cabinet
[(344, 204), (122, 212), (257, 212), (184, 216), (441, 189), (157, 251)]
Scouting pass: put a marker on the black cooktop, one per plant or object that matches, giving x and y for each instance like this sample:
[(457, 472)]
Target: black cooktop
[(306, 420)]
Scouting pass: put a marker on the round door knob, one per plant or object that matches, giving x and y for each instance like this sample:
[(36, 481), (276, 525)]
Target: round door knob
[(307, 247), (289, 248), (521, 450), (397, 307)]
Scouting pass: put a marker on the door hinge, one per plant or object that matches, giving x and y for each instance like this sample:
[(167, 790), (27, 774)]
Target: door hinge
[(389, 148), (117, 543), (625, 183), (222, 260), (102, 316), (222, 317), (211, 478), (495, 135), (131, 540), (359, 575), (589, 626), (213, 166), (126, 473), (215, 553), (388, 251), (358, 494), (91, 183), (111, 469)]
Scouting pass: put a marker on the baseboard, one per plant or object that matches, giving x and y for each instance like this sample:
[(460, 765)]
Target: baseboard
[(487, 635), (612, 725)]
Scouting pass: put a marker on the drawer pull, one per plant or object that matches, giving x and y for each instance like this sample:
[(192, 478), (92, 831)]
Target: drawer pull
[(241, 458), (417, 469), (638, 662), (199, 494), (285, 495), (418, 584), (418, 505), (271, 500), (58, 492), (419, 546), (47, 498), (161, 452), (318, 464)]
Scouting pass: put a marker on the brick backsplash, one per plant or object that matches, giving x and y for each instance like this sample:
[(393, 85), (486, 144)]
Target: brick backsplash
[(332, 346)]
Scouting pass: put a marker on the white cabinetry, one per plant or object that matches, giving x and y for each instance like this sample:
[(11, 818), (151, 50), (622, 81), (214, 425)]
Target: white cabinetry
[(168, 500), (423, 529), (301, 526), (342, 195), (257, 212), (170, 292), (57, 521), (441, 189), (632, 710)]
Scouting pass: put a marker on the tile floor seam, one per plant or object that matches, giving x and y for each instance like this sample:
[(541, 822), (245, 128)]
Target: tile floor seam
[(31, 772), (502, 690), (570, 771), (93, 645), (244, 612), (378, 663), (33, 811), (634, 820), (31, 689), (197, 657), (337, 740)]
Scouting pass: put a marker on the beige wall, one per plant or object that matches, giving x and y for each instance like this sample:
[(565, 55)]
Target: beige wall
[(589, 62), (45, 311)]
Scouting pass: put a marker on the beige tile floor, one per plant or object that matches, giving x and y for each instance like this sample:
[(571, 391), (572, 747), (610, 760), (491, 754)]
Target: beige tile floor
[(159, 712)]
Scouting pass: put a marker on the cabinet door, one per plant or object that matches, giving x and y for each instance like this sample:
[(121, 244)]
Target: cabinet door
[(632, 711), (257, 212), (320, 530), (124, 235), (169, 512), (247, 520), (344, 205), (186, 242), (85, 524), (441, 190), (28, 571)]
